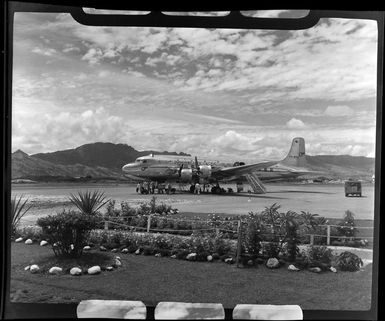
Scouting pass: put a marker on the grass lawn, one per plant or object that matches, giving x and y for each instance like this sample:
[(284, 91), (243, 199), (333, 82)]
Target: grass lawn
[(152, 279)]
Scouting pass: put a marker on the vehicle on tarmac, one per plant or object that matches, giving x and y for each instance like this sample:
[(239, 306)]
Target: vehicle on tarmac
[(189, 170), (353, 188)]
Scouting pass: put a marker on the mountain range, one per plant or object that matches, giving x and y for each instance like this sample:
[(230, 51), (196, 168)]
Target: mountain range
[(105, 160), (97, 161)]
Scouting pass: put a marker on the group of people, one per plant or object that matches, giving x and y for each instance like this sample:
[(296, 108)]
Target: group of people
[(198, 189), (151, 187), (155, 187)]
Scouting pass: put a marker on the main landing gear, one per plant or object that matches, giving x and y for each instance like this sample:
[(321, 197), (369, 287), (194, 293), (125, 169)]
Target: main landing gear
[(217, 190)]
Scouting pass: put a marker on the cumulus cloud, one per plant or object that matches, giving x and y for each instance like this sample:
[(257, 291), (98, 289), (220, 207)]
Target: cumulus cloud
[(93, 56), (218, 92), (67, 129), (233, 140), (70, 48), (339, 110), (44, 51), (295, 123)]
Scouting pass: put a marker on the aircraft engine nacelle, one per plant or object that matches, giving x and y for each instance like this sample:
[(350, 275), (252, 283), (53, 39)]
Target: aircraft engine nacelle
[(205, 171), (186, 175)]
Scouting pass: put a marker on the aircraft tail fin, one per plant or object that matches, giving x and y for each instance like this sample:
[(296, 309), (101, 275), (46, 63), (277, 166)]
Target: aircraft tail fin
[(296, 156)]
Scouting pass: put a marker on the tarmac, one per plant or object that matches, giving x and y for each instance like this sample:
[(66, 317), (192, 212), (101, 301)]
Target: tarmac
[(327, 200)]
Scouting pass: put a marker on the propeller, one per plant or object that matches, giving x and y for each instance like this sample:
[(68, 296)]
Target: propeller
[(197, 170), (180, 170), (196, 164)]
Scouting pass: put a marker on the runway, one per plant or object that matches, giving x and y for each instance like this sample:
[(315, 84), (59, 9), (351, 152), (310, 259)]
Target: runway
[(327, 200)]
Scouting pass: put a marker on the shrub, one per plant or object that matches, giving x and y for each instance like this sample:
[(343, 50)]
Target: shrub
[(117, 238), (29, 232), (126, 210), (283, 228), (320, 256), (348, 261), (111, 211), (182, 254), (148, 250), (163, 252), (347, 225), (301, 260), (292, 239), (19, 208), (216, 256), (163, 208), (162, 242), (271, 249), (202, 256), (247, 261), (87, 202), (221, 245), (252, 239), (67, 231)]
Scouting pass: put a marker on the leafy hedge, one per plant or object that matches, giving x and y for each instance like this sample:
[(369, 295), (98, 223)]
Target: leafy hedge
[(68, 232), (166, 243)]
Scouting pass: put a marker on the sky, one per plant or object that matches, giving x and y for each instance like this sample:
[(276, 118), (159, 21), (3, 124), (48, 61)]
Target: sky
[(221, 94)]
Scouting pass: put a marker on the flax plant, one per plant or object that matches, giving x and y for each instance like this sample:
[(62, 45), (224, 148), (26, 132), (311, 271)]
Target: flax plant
[(89, 202), (19, 208)]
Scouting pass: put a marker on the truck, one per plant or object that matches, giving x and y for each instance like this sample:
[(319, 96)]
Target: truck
[(353, 188)]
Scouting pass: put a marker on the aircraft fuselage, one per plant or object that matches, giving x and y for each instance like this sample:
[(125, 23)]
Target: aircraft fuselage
[(173, 168)]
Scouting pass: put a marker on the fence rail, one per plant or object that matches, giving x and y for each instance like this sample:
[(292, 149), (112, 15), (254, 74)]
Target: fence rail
[(154, 216), (237, 229)]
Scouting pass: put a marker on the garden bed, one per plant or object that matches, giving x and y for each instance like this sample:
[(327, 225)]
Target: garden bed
[(153, 279)]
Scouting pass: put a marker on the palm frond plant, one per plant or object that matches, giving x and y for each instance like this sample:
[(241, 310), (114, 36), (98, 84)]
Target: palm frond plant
[(19, 209), (89, 202)]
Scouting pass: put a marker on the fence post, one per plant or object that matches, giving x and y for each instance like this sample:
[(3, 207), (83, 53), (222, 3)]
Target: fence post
[(148, 223), (311, 239), (327, 234), (239, 242), (217, 231), (105, 225)]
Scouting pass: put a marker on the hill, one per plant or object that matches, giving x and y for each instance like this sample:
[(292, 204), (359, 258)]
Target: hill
[(108, 155), (33, 168), (342, 166)]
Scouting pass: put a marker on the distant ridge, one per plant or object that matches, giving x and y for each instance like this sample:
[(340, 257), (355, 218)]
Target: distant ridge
[(33, 168), (109, 155), (105, 160), (346, 160)]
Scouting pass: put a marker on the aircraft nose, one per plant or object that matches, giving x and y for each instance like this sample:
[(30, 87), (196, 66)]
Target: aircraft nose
[(129, 167)]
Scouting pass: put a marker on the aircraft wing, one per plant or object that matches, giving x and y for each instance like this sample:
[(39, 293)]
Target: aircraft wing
[(225, 172), (304, 171)]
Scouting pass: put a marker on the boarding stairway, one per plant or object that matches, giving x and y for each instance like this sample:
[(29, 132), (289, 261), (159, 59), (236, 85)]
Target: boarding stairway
[(255, 183)]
